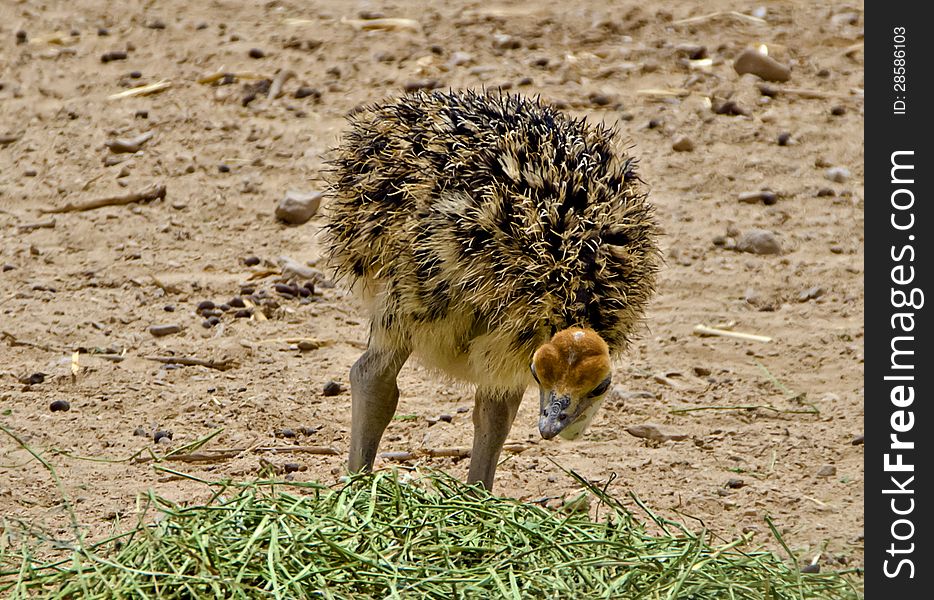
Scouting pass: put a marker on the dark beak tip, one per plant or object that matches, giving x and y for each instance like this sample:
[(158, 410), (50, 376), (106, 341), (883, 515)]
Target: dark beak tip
[(548, 430)]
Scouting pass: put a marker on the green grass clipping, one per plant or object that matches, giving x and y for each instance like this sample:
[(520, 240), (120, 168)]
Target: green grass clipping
[(425, 535)]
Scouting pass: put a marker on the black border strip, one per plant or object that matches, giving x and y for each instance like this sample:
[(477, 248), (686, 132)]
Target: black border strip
[(899, 367)]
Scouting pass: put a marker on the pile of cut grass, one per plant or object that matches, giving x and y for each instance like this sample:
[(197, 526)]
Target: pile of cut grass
[(378, 537)]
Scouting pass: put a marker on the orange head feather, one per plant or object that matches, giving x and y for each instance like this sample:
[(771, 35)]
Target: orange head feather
[(573, 374)]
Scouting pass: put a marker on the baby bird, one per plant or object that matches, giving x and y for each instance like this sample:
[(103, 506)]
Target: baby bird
[(501, 242)]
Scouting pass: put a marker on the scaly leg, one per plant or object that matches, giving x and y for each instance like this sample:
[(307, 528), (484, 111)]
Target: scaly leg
[(374, 398), (493, 414)]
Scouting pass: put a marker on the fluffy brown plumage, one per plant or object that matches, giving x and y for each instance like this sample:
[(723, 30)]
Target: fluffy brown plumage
[(478, 225), (499, 241)]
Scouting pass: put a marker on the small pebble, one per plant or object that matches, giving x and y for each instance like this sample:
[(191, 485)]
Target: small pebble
[(291, 467), (285, 289), (161, 435), (59, 406), (156, 24), (169, 308), (298, 207), (332, 388), (244, 313), (141, 114), (306, 345), (761, 65), (735, 483), (305, 91), (304, 430), (446, 418), (459, 59), (213, 321), (21, 36), (838, 111), (112, 56), (824, 192), (135, 74), (161, 330), (811, 293), (598, 99), (256, 53), (292, 269), (827, 471), (237, 302), (140, 432), (768, 90), (683, 144), (103, 31), (206, 324), (730, 108), (692, 51), (759, 241), (33, 379), (250, 261), (223, 168), (7, 267), (503, 41), (284, 433), (858, 440), (652, 432), (655, 123), (811, 568), (205, 305), (837, 174), (784, 138), (765, 196)]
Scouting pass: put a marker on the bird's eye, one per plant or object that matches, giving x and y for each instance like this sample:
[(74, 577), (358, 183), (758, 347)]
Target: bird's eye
[(601, 389), (534, 374)]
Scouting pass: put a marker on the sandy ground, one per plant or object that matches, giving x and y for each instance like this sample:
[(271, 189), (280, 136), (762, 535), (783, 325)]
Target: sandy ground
[(775, 425)]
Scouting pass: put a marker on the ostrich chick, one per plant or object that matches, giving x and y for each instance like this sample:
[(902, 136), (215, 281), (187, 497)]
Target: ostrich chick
[(499, 241)]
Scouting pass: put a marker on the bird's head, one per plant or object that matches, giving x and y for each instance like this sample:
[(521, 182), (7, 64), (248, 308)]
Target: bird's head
[(573, 375)]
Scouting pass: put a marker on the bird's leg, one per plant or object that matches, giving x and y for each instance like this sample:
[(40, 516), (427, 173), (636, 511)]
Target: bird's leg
[(493, 414), (374, 398)]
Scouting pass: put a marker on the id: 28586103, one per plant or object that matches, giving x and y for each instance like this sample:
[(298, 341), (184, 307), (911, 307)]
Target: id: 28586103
[(899, 70)]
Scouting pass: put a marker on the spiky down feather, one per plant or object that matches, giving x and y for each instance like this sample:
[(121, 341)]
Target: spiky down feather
[(477, 225)]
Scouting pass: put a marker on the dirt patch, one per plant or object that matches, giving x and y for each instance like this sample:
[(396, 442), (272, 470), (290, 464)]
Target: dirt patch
[(768, 426)]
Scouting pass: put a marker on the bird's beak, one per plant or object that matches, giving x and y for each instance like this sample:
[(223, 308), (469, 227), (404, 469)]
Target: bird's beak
[(554, 415)]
